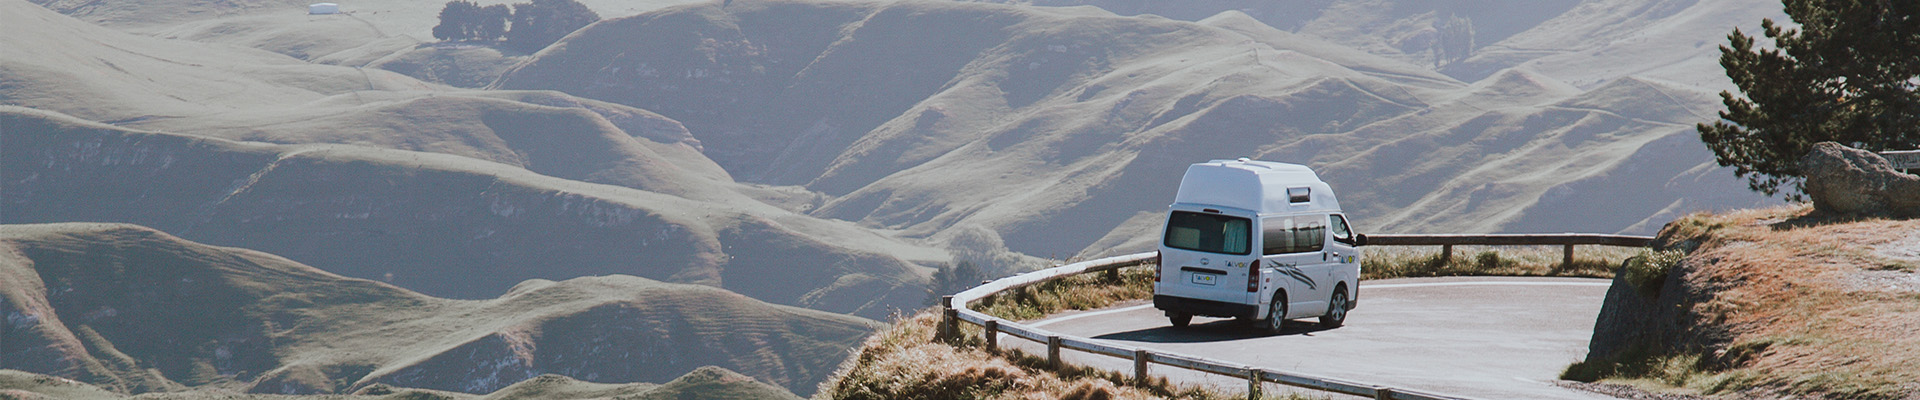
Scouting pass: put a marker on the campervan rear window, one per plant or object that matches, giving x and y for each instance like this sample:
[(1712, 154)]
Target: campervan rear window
[(1212, 233), (1300, 234)]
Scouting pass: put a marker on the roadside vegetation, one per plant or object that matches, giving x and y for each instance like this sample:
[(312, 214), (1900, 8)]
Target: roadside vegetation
[(1383, 262), (1081, 292), (1776, 303), (904, 361), (1100, 290)]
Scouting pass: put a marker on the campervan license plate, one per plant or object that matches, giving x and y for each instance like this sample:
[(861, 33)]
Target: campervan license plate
[(1204, 279)]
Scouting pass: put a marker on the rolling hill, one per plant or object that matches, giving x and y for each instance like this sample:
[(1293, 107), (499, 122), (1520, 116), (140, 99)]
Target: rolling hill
[(567, 141), (1062, 129), (1583, 42), (84, 301), (441, 224), (392, 35), (702, 384)]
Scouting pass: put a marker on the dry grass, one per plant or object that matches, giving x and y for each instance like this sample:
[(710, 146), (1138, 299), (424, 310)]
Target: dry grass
[(906, 362), (1383, 262), (1815, 309), (1082, 292), (1098, 290)]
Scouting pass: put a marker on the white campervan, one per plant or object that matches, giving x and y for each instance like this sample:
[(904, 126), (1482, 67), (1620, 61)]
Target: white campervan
[(1256, 241)]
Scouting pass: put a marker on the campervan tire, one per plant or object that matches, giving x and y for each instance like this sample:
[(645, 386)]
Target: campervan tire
[(1277, 312), (1336, 309), (1180, 320)]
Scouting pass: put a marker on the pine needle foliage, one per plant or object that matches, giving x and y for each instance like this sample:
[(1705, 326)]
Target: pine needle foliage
[(1848, 74)]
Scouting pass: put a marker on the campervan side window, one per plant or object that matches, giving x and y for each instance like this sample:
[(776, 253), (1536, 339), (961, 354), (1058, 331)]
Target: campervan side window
[(1341, 233), (1300, 234), (1212, 233)]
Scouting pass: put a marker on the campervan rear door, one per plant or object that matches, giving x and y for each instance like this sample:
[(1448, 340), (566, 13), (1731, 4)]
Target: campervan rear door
[(1205, 255)]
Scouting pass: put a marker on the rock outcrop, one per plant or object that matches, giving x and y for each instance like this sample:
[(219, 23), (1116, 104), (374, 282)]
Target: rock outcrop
[(1850, 181)]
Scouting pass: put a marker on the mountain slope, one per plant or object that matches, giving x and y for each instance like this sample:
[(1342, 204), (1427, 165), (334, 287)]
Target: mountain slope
[(54, 62), (444, 225), (222, 91), (842, 267), (1056, 128), (703, 383), (1584, 42), (136, 310)]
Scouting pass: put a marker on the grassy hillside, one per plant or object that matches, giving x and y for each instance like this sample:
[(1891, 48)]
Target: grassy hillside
[(840, 266), (391, 35), (440, 224), (1585, 43), (57, 63), (719, 382), (1768, 303), (929, 116), (131, 309)]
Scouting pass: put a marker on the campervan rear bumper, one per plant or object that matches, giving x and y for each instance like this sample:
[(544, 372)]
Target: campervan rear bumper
[(1205, 307)]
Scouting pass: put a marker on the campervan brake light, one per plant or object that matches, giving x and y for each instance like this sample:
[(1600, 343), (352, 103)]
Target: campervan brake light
[(1253, 277)]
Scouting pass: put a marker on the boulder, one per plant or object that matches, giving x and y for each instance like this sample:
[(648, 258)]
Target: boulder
[(1849, 181)]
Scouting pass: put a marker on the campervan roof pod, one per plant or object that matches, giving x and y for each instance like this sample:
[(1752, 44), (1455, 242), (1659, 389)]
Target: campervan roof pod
[(1263, 187)]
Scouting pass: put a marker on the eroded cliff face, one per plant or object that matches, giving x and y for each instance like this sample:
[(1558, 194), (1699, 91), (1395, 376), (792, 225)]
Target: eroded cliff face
[(136, 310), (1656, 316), (1781, 302)]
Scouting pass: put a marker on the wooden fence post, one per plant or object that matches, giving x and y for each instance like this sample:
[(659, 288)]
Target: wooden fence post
[(1140, 367), (993, 335), (949, 319), (1568, 260), (1053, 351), (1253, 384)]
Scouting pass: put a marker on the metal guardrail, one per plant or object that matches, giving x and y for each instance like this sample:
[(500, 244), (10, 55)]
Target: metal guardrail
[(1446, 242), (956, 310), (1907, 159)]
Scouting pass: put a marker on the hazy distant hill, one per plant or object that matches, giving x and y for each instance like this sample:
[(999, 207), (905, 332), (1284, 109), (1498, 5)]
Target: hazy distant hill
[(1055, 126), (1585, 42), (136, 310), (441, 224), (392, 35)]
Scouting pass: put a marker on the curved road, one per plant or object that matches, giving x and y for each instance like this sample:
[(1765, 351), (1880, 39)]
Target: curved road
[(1483, 337)]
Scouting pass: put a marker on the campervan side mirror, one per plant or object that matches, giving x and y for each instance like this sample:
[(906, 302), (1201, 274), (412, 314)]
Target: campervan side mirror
[(1359, 239)]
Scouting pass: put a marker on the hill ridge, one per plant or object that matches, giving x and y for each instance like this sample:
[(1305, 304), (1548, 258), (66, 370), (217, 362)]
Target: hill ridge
[(258, 322)]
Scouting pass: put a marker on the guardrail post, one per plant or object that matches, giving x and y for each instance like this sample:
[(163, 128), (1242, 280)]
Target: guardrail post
[(949, 319), (1568, 263), (1253, 384), (1140, 367), (1382, 393), (1053, 351), (1446, 254), (993, 335), (1113, 275)]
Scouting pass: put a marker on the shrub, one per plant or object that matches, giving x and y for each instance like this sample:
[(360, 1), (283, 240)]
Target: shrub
[(1648, 271)]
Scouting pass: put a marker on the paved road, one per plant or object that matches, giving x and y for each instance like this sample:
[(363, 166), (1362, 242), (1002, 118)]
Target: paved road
[(1490, 338)]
